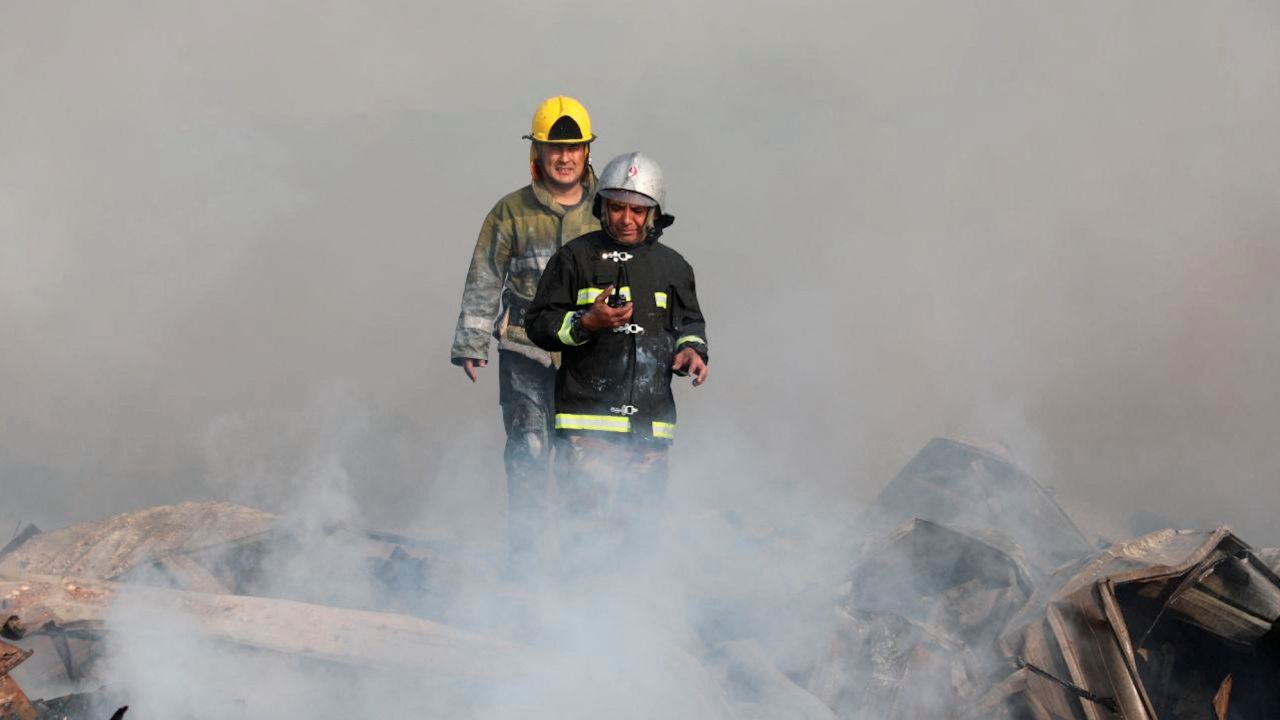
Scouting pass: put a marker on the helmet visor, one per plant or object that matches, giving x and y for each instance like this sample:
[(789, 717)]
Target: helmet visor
[(627, 196)]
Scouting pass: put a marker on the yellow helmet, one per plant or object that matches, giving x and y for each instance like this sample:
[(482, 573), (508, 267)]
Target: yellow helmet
[(561, 119)]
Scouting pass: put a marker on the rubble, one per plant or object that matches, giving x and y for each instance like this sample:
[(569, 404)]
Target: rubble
[(356, 638), (109, 549), (973, 595), (1271, 558), (223, 548), (24, 533), (920, 612), (995, 606), (1157, 627), (14, 704), (758, 690), (970, 487)]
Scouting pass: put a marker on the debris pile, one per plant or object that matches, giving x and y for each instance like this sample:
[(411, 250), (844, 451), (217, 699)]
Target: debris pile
[(989, 603), (969, 594), (13, 702)]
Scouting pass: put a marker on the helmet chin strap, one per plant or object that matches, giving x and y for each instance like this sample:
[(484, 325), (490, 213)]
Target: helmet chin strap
[(650, 228), (608, 227)]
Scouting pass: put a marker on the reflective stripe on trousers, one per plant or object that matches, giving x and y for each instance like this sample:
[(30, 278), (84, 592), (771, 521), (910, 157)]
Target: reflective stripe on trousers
[(610, 423)]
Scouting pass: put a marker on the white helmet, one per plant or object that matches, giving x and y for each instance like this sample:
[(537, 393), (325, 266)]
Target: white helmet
[(634, 178)]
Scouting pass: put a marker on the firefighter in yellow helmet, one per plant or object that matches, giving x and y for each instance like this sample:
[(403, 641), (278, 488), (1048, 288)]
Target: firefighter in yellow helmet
[(519, 235), (558, 121)]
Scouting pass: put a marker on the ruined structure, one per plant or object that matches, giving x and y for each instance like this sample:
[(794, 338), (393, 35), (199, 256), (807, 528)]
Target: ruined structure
[(971, 595)]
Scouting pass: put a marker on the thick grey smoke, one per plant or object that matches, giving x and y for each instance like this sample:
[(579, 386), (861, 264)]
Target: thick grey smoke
[(1055, 225), (233, 238)]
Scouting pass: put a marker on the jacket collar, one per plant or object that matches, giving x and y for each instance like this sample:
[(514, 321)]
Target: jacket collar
[(604, 241)]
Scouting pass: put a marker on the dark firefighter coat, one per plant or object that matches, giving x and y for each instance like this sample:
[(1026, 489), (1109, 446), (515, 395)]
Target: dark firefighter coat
[(617, 381)]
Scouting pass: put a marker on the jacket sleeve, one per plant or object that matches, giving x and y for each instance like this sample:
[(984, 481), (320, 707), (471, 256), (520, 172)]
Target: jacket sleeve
[(550, 321), (693, 326), (482, 294)]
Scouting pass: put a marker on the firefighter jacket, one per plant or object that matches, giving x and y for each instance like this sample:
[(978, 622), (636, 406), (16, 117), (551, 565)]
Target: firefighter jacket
[(619, 380), (518, 237)]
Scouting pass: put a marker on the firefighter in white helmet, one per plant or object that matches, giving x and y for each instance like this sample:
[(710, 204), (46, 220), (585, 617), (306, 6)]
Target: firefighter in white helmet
[(520, 234), (623, 311)]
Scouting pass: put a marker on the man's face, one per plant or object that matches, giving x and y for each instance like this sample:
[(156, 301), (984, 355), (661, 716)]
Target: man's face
[(626, 221), (562, 163)]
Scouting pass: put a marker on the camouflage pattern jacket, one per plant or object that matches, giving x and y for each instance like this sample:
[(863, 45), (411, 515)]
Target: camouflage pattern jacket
[(518, 238)]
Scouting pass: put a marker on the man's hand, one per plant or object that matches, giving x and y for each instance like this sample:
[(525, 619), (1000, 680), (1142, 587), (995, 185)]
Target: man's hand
[(689, 362), (603, 317), (469, 367)]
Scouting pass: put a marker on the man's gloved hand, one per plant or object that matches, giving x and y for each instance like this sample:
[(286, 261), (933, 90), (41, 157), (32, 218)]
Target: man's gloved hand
[(689, 362)]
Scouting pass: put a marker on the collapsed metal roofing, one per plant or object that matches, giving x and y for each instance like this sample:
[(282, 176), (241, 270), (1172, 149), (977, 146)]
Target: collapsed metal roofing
[(981, 489), (1170, 625)]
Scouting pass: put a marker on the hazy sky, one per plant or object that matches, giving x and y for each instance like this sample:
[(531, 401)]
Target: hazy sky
[(233, 238)]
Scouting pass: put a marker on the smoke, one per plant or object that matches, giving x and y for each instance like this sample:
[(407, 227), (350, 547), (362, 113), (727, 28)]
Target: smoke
[(625, 640), (234, 240), (907, 220)]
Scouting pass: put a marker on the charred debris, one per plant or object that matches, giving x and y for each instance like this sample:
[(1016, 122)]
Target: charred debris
[(969, 594)]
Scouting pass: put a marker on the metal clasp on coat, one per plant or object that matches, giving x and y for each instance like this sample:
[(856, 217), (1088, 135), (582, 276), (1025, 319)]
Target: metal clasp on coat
[(627, 410), (617, 256), (629, 328)]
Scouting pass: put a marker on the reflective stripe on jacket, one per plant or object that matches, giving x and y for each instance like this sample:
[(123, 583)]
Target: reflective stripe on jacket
[(518, 237), (617, 381)]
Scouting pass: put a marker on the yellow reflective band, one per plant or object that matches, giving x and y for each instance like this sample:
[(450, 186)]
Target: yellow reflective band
[(566, 331), (586, 296), (690, 339), (660, 298), (605, 423), (610, 423)]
